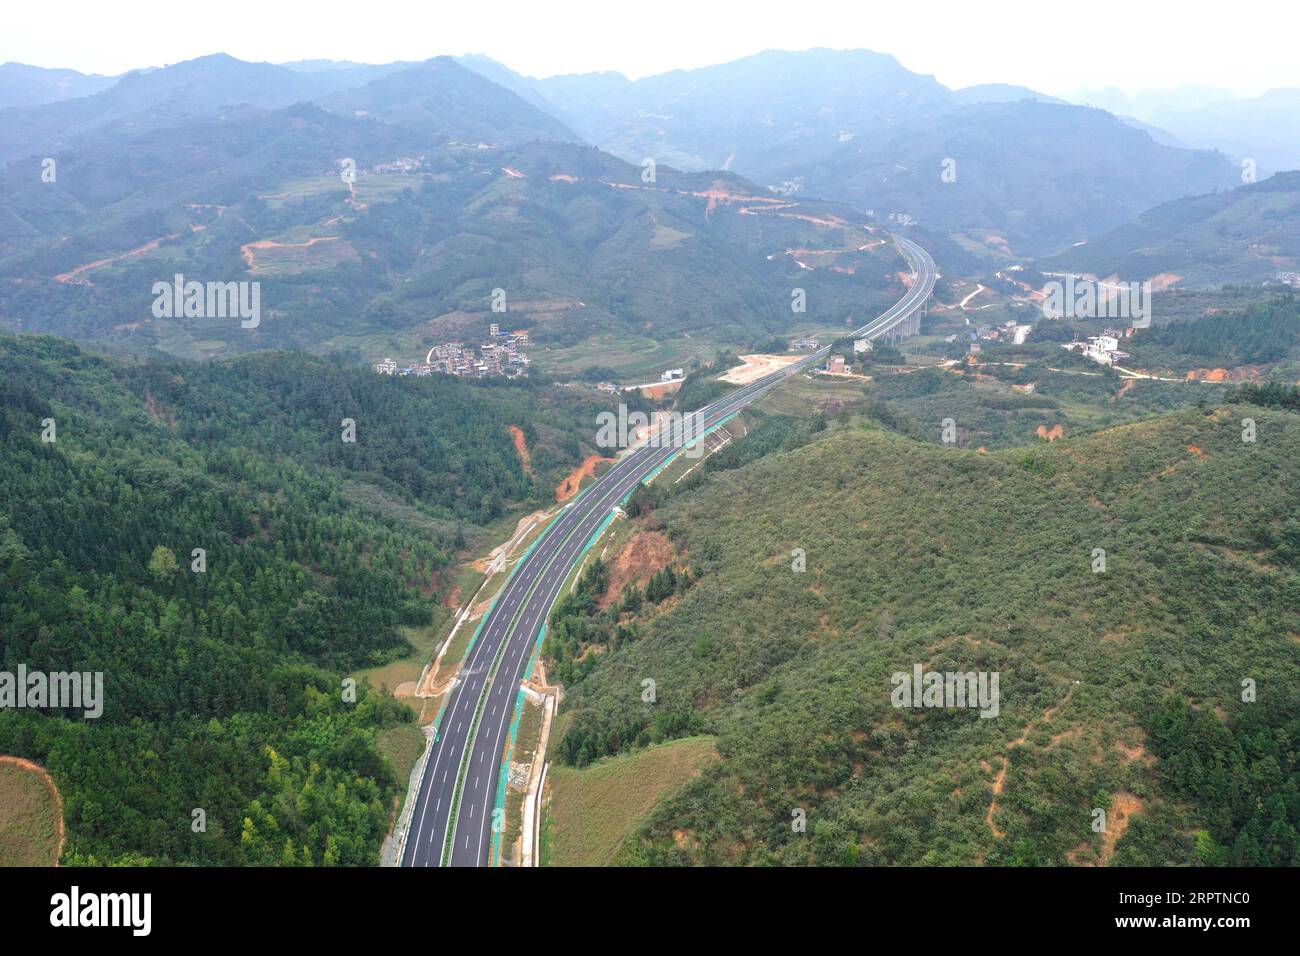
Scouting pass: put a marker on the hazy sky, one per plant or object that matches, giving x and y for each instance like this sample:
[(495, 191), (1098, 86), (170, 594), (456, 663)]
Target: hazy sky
[(1050, 46)]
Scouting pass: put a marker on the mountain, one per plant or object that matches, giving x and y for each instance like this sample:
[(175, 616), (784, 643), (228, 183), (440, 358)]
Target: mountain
[(1001, 93), (441, 98), (1261, 128), (213, 154), (583, 247), (437, 98), (855, 125), (502, 75), (1245, 235), (921, 556), (750, 115), (1161, 136), (156, 99), (1148, 104), (114, 185), (370, 70), (1013, 190), (22, 85)]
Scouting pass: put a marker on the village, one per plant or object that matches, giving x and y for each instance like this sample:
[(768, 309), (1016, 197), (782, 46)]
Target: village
[(502, 355)]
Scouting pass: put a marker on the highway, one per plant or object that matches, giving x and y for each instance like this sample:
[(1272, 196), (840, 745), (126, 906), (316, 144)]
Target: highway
[(451, 821)]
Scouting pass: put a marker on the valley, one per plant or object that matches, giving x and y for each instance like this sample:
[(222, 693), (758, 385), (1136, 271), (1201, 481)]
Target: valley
[(760, 458)]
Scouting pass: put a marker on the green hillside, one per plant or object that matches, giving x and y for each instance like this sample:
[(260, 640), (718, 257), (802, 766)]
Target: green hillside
[(1119, 691), (222, 686), (582, 247), (1244, 236)]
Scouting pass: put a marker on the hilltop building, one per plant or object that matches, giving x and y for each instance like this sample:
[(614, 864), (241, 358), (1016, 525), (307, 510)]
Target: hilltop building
[(1103, 349)]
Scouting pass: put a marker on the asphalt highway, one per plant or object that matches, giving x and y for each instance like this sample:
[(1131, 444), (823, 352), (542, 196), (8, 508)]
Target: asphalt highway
[(452, 820)]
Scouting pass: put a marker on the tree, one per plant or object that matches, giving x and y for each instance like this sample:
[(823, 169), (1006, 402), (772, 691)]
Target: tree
[(163, 564)]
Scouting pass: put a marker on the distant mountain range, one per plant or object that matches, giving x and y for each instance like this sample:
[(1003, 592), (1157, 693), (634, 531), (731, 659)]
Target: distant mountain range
[(461, 187), (435, 98), (472, 177), (1264, 129), (1261, 128), (22, 85), (1033, 173)]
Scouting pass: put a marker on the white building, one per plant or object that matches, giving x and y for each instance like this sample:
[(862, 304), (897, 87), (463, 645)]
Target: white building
[(1102, 349), (386, 367)]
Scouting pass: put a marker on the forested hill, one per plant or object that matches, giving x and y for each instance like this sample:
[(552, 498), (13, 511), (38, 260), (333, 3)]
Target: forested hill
[(1121, 688), (223, 686), (1246, 235)]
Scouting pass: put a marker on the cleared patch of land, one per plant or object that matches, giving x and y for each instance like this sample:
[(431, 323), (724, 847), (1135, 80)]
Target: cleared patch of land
[(398, 677), (593, 810), (402, 745), (644, 553), (269, 256), (799, 395), (756, 366), (31, 815)]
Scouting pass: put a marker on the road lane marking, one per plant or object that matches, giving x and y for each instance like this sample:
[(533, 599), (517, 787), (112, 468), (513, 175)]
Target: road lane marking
[(500, 642)]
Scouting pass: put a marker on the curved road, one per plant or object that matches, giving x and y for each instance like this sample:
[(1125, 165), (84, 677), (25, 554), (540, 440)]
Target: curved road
[(451, 822)]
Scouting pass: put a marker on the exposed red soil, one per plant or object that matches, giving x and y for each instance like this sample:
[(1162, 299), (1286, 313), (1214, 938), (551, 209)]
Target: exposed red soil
[(521, 446), (1123, 807), (1243, 373), (645, 553), (249, 250), (1000, 780), (149, 246), (659, 391), (572, 484)]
